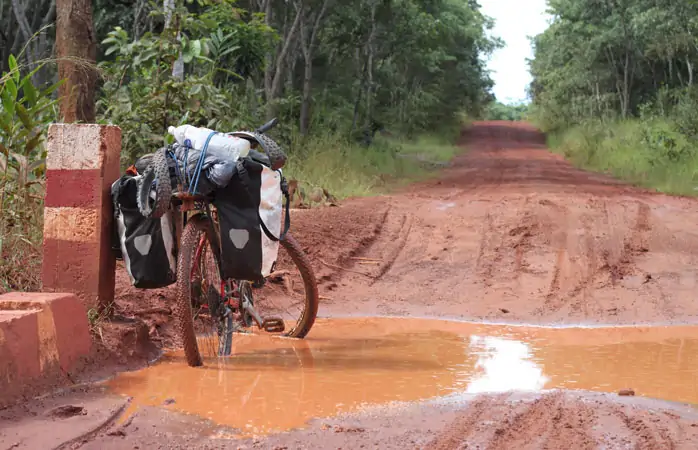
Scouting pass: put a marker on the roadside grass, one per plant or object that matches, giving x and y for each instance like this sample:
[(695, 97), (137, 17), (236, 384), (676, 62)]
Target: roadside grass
[(649, 153), (348, 169), (21, 228)]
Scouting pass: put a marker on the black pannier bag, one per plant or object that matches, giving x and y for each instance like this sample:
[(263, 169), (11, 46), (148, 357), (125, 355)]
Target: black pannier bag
[(146, 245), (250, 211)]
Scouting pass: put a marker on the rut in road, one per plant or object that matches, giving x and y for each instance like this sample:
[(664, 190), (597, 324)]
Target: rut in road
[(511, 232), (561, 419)]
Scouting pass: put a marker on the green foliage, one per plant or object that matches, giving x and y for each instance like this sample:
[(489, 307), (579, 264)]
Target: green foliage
[(501, 111), (141, 96), (25, 113), (423, 57), (614, 81), (651, 152), (349, 170)]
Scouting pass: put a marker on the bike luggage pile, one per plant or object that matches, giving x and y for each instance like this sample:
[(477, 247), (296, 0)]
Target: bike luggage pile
[(246, 187)]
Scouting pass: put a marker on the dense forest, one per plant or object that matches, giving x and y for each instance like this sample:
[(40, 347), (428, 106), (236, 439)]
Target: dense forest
[(323, 65), (614, 84), (355, 84)]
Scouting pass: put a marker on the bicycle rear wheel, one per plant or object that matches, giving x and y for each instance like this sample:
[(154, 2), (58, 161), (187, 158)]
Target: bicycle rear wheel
[(155, 186), (289, 294)]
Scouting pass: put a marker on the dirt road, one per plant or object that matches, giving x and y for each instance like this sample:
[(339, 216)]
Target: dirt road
[(508, 233), (513, 233)]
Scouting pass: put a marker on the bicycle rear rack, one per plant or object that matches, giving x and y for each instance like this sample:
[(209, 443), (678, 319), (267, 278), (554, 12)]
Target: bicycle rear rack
[(189, 202)]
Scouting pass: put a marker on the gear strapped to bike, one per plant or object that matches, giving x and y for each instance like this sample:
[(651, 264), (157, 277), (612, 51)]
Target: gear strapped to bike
[(249, 211), (241, 235)]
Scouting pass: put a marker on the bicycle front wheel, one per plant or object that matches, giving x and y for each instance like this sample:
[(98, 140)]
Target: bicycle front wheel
[(199, 294)]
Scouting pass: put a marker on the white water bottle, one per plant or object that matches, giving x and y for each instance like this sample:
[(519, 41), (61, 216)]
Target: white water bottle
[(197, 137)]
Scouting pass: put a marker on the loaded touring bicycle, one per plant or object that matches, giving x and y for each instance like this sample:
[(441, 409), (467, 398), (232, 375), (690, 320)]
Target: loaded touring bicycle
[(212, 220)]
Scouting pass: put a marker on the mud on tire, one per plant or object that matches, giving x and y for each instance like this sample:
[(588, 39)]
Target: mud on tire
[(183, 312), (310, 283), (156, 174), (277, 157)]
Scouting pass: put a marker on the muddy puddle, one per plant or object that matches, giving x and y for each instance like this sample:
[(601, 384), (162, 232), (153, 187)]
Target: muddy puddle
[(274, 384)]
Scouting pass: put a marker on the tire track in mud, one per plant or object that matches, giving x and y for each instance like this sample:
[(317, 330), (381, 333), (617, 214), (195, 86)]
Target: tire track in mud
[(469, 423), (488, 253), (634, 245), (383, 247), (553, 302), (368, 243), (562, 420), (484, 231), (549, 421), (648, 432), (403, 235), (545, 423), (597, 261), (497, 243), (525, 232), (579, 296)]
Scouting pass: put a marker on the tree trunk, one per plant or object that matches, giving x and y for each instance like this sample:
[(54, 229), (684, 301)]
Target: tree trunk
[(626, 85), (368, 120), (269, 66), (178, 65), (278, 73), (305, 106), (690, 71), (76, 50), (308, 46), (26, 30), (362, 79)]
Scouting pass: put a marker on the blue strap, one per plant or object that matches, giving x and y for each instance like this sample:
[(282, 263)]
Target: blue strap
[(186, 164), (178, 173), (200, 164)]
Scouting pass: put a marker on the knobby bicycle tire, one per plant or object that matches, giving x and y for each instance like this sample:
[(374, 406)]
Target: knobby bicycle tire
[(277, 157), (183, 312), (310, 283), (158, 173)]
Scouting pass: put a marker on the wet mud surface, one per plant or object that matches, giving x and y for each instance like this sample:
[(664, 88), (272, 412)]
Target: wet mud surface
[(513, 233), (509, 233), (276, 384)]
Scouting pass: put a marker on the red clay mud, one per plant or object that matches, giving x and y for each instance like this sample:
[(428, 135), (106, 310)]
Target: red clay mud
[(508, 233), (513, 233)]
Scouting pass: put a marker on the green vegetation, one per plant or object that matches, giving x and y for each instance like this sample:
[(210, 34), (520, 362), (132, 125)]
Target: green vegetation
[(502, 111), (24, 116), (354, 170), (648, 153), (613, 86), (368, 92)]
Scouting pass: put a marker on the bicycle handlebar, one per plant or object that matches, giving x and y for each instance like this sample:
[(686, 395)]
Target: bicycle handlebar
[(267, 126)]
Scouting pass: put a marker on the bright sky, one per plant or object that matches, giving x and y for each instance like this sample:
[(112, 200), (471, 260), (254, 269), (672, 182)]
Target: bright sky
[(515, 20)]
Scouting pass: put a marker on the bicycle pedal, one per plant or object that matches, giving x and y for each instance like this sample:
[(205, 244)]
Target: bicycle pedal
[(273, 325)]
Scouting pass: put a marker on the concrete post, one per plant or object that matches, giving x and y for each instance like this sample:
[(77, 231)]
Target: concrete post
[(43, 338), (82, 163)]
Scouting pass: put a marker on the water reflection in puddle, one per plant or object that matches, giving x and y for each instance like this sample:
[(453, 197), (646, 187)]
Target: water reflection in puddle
[(274, 384)]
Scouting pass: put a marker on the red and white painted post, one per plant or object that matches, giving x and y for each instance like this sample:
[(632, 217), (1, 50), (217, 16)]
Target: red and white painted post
[(82, 164)]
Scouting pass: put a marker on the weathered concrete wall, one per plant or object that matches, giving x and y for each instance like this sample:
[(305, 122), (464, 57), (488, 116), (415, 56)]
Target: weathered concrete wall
[(82, 163), (43, 337)]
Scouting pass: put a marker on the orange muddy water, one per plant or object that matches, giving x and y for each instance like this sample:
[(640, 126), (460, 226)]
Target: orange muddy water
[(275, 384)]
